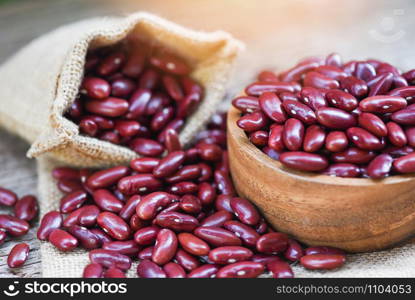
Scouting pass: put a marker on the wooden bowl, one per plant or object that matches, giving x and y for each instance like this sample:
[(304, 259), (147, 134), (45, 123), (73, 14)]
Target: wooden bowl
[(354, 214)]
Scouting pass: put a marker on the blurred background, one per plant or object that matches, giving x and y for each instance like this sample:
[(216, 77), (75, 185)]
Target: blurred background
[(277, 33)]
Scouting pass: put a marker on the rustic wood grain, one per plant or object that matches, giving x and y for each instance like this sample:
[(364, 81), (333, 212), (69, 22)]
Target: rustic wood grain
[(277, 34)]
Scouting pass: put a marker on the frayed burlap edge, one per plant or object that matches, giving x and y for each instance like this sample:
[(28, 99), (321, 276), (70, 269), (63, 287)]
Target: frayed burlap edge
[(396, 262)]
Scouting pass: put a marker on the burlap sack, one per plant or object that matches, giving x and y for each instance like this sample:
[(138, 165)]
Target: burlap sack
[(396, 262), (41, 81)]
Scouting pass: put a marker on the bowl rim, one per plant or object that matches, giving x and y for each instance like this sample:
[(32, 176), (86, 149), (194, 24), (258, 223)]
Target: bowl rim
[(255, 153)]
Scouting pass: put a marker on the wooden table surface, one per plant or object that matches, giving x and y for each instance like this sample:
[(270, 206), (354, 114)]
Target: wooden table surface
[(277, 33)]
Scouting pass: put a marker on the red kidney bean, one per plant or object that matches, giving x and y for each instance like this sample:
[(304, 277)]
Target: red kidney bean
[(246, 104), (150, 204), (190, 204), (258, 88), (293, 134), (63, 240), (312, 97), (205, 271), (355, 86), (13, 226), (187, 261), (193, 245), (259, 138), (294, 251), (323, 250), (107, 201), (364, 71), (110, 136), (108, 259), (18, 255), (146, 147), (272, 243), (243, 269), (169, 63), (72, 218), (162, 118), (65, 173), (382, 104), (50, 221), (333, 72), (264, 258), (141, 183), (165, 247), (336, 141), (3, 236), (322, 261), (224, 183), (169, 165), (304, 161), (88, 126), (182, 188), (217, 236), (262, 227), (189, 172), (335, 118), (354, 156), (410, 135), (275, 140), (280, 269), (373, 124), (174, 270), (405, 164), (217, 219), (295, 73), (248, 235), (109, 107), (363, 139), (148, 269), (267, 76), (114, 273), (230, 254), (314, 138), (272, 106), (223, 202), (113, 225), (86, 238), (299, 111), (146, 235), (172, 141), (95, 87), (73, 201), (380, 166), (149, 79), (138, 103), (68, 186), (130, 207), (206, 193), (144, 164), (93, 271), (101, 235), (334, 59), (271, 153), (134, 64), (380, 84), (173, 88), (106, 178), (317, 80), (176, 221), (209, 152), (111, 63), (343, 170), (122, 87), (245, 211), (253, 121), (26, 208), (127, 128), (341, 100), (404, 116), (7, 197), (129, 248)]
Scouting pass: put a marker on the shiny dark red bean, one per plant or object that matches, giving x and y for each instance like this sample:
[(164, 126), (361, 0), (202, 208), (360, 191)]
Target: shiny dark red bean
[(26, 208), (113, 225), (258, 88), (267, 75), (18, 255), (106, 178), (230, 254), (172, 141), (380, 84), (322, 261), (304, 161), (206, 193), (122, 87), (294, 251), (174, 270), (169, 63), (109, 107), (7, 197), (73, 201), (410, 135), (108, 259), (217, 219), (146, 235), (248, 235), (259, 138), (243, 269), (271, 105), (193, 245), (68, 185), (355, 86), (296, 72), (187, 261), (373, 123), (363, 139), (63, 240), (141, 183), (205, 271), (165, 247), (380, 166), (404, 116), (65, 173), (265, 258), (335, 118), (314, 138), (331, 72), (275, 140), (147, 147), (144, 164), (129, 248), (130, 207), (113, 272), (341, 100), (88, 126), (162, 118), (280, 269), (148, 269), (50, 221), (190, 204), (293, 134), (313, 97), (317, 80), (253, 121), (343, 170), (299, 111), (149, 79), (224, 183), (177, 221), (138, 103), (72, 218), (135, 63), (382, 104), (245, 211), (209, 152), (336, 141), (407, 92), (106, 201), (101, 235), (182, 188), (246, 104), (127, 128), (169, 165), (334, 59), (405, 164), (152, 203), (95, 87), (323, 250), (3, 236), (86, 238), (272, 243), (13, 225), (354, 156), (223, 202), (93, 270), (111, 63), (365, 71), (217, 236)]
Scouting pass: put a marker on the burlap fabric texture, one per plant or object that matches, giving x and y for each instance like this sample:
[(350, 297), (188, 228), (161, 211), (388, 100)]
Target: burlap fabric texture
[(40, 82)]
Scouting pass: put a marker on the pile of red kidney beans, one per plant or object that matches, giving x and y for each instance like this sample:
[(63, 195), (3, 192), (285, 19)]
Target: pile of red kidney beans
[(354, 119), (130, 96)]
